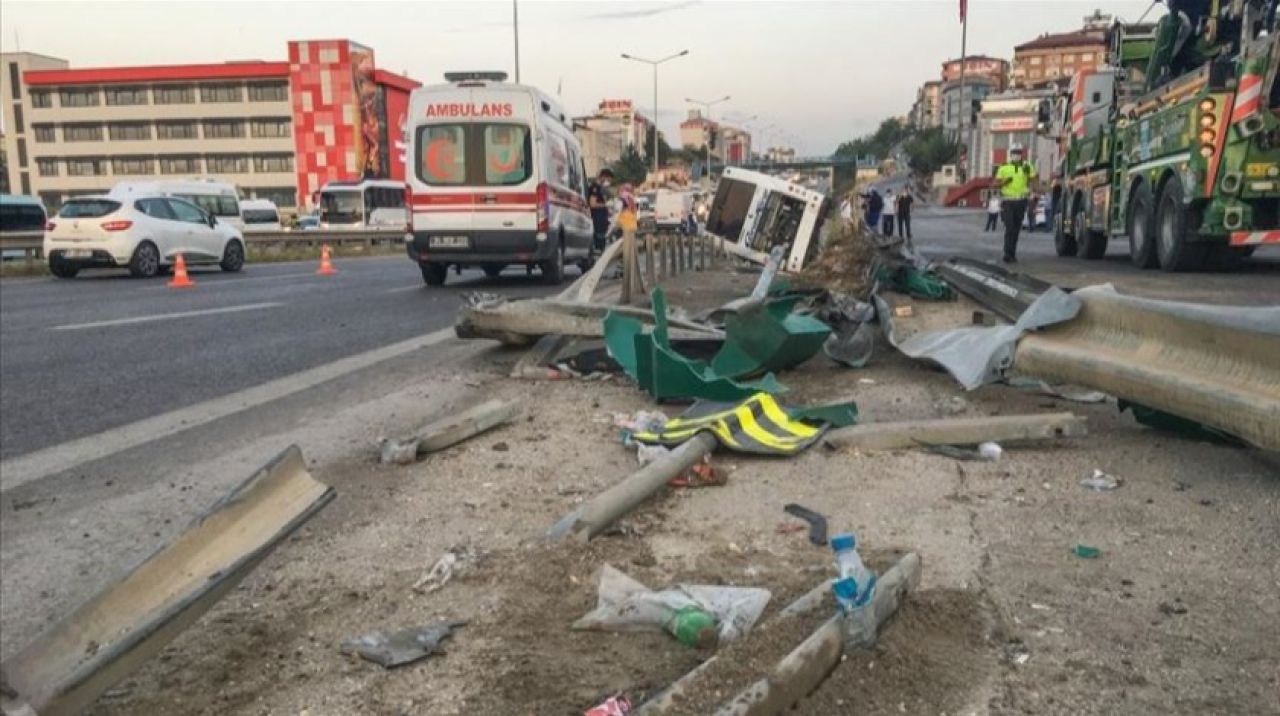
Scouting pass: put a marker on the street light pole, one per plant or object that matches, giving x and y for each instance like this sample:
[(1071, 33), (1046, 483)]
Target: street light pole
[(515, 24), (707, 107), (654, 64)]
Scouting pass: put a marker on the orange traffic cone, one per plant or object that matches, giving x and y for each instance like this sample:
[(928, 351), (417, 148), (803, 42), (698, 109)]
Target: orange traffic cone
[(326, 266), (180, 278)]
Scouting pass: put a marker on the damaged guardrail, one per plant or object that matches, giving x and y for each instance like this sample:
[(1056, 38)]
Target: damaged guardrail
[(1216, 365)]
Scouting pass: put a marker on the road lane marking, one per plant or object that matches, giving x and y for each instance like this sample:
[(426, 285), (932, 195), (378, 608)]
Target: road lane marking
[(221, 281), (23, 469), (167, 316)]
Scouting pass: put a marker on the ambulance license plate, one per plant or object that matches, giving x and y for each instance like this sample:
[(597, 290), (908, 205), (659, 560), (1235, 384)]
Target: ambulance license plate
[(450, 242)]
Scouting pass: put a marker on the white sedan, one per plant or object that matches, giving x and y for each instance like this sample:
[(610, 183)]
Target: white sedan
[(141, 233)]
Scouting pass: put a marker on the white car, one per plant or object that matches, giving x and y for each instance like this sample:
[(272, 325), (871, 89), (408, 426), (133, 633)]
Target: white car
[(142, 233)]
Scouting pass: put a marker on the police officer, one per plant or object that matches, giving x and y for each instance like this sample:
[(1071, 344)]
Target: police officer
[(1014, 178)]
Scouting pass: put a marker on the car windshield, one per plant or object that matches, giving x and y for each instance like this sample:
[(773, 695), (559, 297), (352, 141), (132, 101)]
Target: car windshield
[(87, 208), (341, 207)]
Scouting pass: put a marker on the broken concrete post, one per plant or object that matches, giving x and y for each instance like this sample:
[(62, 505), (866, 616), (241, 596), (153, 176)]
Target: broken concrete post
[(801, 671), (957, 431), (664, 700), (628, 266), (649, 267), (453, 429), (602, 510)]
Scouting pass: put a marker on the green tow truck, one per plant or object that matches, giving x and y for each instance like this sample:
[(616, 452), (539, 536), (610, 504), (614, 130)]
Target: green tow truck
[(1188, 170)]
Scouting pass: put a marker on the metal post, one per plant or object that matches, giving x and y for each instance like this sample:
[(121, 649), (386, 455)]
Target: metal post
[(964, 113), (649, 267), (515, 25), (655, 122), (628, 264)]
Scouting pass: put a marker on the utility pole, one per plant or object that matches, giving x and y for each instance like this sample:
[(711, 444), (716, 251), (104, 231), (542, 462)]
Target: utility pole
[(964, 109), (515, 25), (706, 106), (654, 64)]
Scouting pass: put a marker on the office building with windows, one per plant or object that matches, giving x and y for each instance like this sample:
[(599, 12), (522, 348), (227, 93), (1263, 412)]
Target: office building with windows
[(277, 130)]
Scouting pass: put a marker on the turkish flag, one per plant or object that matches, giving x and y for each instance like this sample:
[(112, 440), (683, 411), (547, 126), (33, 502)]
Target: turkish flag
[(964, 6)]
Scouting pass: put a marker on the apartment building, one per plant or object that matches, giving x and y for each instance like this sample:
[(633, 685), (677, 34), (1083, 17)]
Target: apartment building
[(1056, 58), (277, 130)]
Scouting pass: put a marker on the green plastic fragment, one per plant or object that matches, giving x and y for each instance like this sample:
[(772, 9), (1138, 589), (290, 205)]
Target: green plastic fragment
[(1086, 552), (1160, 420), (912, 281), (766, 336)]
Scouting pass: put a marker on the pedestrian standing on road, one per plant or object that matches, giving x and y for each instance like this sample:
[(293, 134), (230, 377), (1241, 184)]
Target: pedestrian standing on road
[(888, 212), (905, 200), (993, 211), (598, 201), (1015, 179), (875, 204)]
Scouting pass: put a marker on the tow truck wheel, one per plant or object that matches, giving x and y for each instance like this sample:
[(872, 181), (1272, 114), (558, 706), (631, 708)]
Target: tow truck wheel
[(1063, 243), (1175, 225), (434, 274), (1142, 244), (1090, 243)]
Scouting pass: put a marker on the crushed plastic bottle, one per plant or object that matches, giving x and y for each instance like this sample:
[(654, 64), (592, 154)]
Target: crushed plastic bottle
[(853, 590), (693, 627)]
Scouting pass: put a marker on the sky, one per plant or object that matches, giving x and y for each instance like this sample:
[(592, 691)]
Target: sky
[(819, 72)]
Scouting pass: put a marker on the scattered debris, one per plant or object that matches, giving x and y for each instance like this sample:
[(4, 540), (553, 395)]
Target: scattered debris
[(452, 563), (957, 431), (737, 427), (116, 631), (623, 604), (402, 647), (1168, 422), (844, 265), (450, 430), (648, 358), (641, 421), (612, 706), (702, 474), (817, 523), (523, 322), (985, 452), (1074, 393), (1176, 608), (1100, 481), (1086, 552)]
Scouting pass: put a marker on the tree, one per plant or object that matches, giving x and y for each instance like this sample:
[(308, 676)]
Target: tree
[(879, 143), (929, 150), (664, 149), (631, 168)]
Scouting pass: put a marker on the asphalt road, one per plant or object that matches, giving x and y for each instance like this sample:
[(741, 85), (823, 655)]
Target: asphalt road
[(941, 232), (104, 350)]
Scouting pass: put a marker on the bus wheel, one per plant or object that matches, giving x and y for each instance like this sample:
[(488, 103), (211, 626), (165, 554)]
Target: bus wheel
[(1142, 244), (434, 274), (1176, 227), (1063, 243)]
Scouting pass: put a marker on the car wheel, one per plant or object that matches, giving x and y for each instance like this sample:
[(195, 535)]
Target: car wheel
[(1063, 243), (1175, 224), (1090, 243), (232, 257), (434, 274), (62, 268), (493, 270), (553, 268), (145, 262), (1142, 245)]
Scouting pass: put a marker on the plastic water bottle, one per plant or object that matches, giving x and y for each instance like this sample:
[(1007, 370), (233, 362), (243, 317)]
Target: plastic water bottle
[(853, 589)]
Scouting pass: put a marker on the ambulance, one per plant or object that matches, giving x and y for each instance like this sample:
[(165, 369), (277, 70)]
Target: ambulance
[(495, 178)]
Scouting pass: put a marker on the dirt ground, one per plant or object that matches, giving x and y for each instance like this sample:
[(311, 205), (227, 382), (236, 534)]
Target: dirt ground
[(1177, 616)]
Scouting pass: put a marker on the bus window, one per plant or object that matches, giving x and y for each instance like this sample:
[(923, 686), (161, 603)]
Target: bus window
[(21, 217), (341, 207)]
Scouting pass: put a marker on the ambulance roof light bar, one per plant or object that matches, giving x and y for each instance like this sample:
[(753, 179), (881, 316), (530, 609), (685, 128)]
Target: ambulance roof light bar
[(475, 76)]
